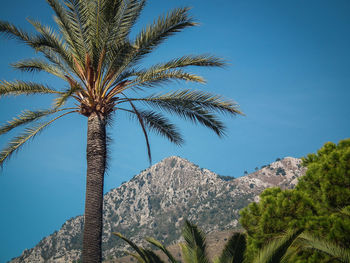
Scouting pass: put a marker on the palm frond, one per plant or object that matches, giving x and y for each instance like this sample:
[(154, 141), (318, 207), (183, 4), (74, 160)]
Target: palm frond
[(152, 257), (186, 255), (173, 22), (36, 65), (195, 106), (122, 20), (195, 243), (161, 125), (118, 61), (163, 248), (136, 256), (61, 100), (26, 117), (48, 38), (154, 77), (276, 249), (138, 249), (309, 241), (11, 31), (142, 124), (194, 98), (29, 133), (70, 24), (190, 60), (24, 88), (234, 249)]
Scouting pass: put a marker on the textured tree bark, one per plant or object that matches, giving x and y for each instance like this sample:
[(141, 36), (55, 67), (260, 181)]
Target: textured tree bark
[(96, 162)]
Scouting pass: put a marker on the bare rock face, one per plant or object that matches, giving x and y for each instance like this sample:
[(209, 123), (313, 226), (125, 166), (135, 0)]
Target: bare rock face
[(157, 201)]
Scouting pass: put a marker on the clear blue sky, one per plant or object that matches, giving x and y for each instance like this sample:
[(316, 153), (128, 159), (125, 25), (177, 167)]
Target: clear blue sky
[(289, 71)]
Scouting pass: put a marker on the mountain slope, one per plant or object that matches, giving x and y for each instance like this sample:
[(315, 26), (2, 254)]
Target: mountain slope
[(156, 201)]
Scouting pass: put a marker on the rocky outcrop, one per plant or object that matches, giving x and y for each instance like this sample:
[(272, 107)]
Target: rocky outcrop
[(156, 202)]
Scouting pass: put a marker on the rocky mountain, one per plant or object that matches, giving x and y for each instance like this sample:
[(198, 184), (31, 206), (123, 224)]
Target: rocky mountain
[(156, 202)]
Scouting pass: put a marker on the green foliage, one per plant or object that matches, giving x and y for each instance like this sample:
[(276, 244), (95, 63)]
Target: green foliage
[(319, 204)]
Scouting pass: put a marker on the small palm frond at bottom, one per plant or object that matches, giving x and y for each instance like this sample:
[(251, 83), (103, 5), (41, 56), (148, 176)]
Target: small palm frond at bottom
[(143, 255), (275, 251), (308, 241), (234, 249), (162, 248), (195, 244)]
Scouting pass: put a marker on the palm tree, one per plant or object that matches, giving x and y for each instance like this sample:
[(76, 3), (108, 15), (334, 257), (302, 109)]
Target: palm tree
[(92, 52)]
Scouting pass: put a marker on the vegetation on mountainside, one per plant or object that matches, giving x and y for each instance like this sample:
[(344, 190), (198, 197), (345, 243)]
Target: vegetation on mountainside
[(319, 204)]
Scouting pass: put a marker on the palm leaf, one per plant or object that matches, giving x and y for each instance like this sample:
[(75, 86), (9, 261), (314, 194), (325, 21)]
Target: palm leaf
[(26, 117), (70, 27), (190, 60), (159, 124), (36, 65), (195, 106), (275, 251), (234, 249), (195, 243), (309, 241), (11, 31), (153, 77), (138, 249), (142, 124), (194, 98), (136, 256), (29, 133), (165, 26), (24, 88), (61, 100), (163, 248), (48, 38), (152, 257), (123, 19)]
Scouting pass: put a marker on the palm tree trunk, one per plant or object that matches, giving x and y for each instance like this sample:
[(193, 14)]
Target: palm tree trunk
[(96, 162)]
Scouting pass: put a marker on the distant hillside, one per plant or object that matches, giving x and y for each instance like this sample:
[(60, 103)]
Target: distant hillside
[(156, 201)]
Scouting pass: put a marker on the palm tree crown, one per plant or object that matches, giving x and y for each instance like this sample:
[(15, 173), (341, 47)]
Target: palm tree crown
[(92, 52)]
